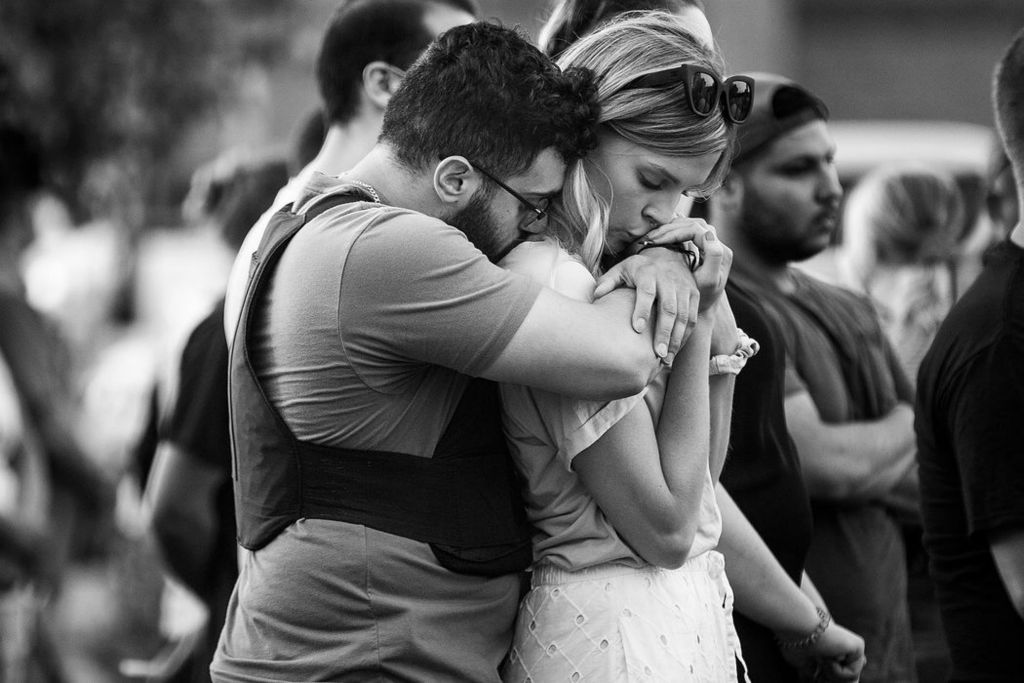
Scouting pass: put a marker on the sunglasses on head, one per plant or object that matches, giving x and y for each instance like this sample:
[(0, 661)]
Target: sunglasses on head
[(704, 91)]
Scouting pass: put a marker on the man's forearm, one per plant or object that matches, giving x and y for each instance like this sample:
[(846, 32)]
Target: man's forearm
[(578, 349), (855, 460)]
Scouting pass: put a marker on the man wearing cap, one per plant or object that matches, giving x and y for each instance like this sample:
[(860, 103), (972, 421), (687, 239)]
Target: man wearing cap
[(847, 403)]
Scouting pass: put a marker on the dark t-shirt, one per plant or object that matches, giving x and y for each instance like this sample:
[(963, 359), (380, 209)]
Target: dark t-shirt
[(198, 424), (837, 353), (971, 453), (762, 472)]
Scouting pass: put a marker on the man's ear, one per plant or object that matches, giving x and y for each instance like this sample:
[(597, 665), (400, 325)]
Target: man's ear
[(380, 81), (455, 181)]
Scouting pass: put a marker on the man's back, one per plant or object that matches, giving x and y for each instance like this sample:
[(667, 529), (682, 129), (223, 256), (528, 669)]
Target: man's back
[(970, 398), (390, 302)]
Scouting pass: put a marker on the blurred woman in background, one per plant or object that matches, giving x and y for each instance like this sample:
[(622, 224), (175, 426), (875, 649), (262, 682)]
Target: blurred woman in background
[(901, 229)]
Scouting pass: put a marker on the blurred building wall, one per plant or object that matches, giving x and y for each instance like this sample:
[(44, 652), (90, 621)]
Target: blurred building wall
[(904, 59)]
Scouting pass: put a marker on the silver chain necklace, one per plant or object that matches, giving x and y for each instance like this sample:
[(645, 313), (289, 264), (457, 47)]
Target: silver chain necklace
[(369, 188)]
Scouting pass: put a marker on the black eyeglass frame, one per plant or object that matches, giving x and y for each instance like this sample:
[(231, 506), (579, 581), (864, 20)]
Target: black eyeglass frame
[(723, 94), (539, 213)]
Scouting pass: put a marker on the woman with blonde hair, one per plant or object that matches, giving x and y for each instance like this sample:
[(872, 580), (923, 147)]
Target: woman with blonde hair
[(901, 226), (626, 582)]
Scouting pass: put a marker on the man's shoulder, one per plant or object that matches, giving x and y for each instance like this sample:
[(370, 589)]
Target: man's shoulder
[(809, 284), (987, 312)]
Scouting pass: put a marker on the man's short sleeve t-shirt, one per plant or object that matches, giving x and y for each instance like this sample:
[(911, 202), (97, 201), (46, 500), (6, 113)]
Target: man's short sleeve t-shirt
[(970, 401), (373, 321)]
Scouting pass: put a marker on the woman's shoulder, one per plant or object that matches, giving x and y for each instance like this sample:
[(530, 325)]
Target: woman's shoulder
[(547, 262)]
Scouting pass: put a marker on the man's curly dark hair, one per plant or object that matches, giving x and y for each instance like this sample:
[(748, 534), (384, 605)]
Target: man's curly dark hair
[(484, 92)]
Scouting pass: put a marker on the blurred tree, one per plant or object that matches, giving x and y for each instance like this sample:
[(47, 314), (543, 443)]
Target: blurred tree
[(110, 87)]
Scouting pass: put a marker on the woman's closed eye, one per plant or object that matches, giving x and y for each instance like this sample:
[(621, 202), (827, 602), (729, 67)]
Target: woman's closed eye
[(652, 184)]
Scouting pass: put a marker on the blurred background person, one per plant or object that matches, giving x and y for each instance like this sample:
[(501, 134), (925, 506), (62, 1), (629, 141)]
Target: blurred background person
[(998, 217), (901, 230), (190, 486), (570, 20), (189, 489), (55, 503), (307, 141), (970, 398), (366, 49), (847, 401), (1001, 193)]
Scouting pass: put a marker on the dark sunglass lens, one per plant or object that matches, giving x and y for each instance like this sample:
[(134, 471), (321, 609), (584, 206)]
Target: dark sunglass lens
[(740, 98), (703, 88)]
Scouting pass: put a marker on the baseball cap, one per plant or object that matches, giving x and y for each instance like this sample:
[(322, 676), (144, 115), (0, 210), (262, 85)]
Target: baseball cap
[(780, 105)]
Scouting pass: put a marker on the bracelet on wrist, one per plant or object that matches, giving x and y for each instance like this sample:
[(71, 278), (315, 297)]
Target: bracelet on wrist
[(731, 364), (688, 249), (824, 619)]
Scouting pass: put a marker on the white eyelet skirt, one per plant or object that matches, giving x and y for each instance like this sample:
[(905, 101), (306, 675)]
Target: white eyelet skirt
[(617, 623)]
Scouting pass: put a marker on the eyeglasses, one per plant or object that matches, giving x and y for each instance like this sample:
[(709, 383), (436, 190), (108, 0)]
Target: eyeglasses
[(538, 212), (704, 90)]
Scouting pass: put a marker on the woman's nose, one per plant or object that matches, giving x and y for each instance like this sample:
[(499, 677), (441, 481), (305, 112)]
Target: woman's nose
[(659, 213)]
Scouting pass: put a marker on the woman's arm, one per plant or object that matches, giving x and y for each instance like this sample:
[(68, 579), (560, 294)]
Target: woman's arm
[(764, 593), (648, 479), (724, 340)]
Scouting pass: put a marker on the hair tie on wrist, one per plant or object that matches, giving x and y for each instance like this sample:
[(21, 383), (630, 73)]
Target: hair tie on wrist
[(731, 364), (689, 250)]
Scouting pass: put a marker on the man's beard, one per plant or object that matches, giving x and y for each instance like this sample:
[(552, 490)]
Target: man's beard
[(765, 229), (477, 223)]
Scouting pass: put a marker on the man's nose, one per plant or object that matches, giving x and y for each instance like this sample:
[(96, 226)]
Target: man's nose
[(829, 188)]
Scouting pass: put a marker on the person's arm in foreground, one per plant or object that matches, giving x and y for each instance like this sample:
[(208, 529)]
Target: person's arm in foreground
[(863, 460), (765, 594), (601, 350), (648, 479)]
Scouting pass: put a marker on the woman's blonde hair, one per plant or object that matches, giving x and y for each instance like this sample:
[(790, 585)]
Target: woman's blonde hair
[(659, 119), (901, 215)]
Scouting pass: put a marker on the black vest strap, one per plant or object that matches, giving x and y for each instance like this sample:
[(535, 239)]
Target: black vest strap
[(464, 500)]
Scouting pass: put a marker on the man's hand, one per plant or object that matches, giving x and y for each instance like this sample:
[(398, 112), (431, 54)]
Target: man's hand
[(662, 276), (659, 275)]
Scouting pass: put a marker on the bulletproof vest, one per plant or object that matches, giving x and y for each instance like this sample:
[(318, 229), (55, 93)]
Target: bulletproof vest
[(464, 500)]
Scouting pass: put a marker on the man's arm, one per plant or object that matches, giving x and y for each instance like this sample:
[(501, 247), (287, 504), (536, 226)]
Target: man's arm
[(181, 492), (596, 350), (579, 349), (861, 460), (1008, 552)]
